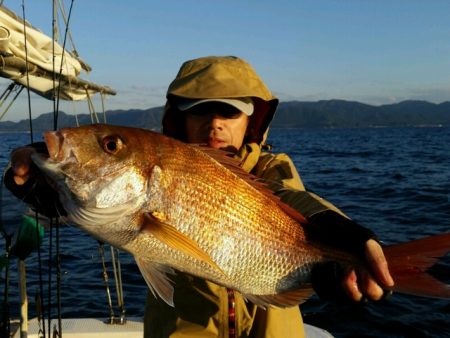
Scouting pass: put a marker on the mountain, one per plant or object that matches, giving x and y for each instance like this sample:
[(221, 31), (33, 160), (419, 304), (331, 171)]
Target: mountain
[(292, 114), (325, 113), (340, 113), (149, 118)]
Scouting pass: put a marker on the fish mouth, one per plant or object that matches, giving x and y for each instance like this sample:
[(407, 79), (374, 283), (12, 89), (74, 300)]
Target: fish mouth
[(54, 141), (58, 155), (59, 148)]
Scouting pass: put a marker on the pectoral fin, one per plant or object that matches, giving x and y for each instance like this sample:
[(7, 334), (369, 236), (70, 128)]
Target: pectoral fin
[(287, 299), (155, 224), (157, 279)]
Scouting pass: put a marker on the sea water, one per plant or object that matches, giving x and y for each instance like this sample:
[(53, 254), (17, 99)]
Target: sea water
[(395, 181)]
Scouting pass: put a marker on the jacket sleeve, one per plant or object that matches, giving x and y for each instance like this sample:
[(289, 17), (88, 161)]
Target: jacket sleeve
[(328, 224), (279, 172), (36, 192)]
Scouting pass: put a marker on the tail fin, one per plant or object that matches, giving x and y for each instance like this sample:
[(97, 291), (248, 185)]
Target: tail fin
[(408, 264)]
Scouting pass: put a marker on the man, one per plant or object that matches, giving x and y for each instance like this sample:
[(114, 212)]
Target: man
[(222, 102)]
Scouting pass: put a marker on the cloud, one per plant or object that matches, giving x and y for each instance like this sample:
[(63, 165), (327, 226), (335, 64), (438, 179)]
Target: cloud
[(436, 95), (283, 96), (375, 97), (138, 96)]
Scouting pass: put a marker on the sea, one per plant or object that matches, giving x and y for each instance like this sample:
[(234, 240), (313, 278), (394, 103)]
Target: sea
[(395, 181)]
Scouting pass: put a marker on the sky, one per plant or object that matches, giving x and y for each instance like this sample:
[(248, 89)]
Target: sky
[(371, 51)]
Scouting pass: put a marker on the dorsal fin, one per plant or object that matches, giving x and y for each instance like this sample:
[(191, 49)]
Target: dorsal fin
[(226, 160)]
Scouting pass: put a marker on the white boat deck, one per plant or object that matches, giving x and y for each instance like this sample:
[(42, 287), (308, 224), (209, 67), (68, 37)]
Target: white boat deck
[(89, 328), (133, 328)]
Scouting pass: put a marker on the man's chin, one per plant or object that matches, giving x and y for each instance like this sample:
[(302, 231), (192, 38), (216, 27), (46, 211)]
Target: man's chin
[(222, 146), (230, 149), (217, 144)]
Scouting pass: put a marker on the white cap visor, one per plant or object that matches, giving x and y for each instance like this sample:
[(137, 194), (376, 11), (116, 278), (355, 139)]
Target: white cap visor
[(243, 104)]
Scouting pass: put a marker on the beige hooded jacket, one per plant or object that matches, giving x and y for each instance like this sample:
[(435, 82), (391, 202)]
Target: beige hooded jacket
[(201, 307)]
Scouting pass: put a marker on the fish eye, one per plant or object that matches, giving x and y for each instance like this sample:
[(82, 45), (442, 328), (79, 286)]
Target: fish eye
[(112, 144)]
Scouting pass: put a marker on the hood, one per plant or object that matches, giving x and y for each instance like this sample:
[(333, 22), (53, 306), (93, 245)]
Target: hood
[(219, 77)]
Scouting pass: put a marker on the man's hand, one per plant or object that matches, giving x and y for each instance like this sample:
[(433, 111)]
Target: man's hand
[(21, 164), (359, 284)]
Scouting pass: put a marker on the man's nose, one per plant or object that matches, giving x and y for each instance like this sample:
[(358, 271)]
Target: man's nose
[(216, 121)]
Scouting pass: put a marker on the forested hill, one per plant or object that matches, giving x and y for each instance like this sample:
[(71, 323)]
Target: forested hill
[(340, 113), (293, 114)]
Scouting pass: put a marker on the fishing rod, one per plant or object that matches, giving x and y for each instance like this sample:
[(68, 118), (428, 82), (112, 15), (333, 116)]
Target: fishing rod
[(28, 73)]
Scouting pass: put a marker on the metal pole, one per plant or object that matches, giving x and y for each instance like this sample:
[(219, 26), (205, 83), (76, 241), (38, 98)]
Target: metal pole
[(23, 299)]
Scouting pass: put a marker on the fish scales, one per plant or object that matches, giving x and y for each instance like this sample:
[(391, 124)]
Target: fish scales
[(234, 211), (178, 206), (173, 205)]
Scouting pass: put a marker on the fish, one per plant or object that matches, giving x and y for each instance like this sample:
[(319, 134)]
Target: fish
[(189, 208)]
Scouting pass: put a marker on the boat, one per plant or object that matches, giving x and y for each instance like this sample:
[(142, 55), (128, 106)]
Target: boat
[(34, 61), (133, 328), (86, 328)]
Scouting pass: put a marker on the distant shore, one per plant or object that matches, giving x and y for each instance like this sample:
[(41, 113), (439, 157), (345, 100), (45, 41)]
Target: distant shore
[(292, 114)]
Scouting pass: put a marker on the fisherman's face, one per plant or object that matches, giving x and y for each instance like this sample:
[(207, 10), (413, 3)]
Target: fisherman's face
[(219, 125)]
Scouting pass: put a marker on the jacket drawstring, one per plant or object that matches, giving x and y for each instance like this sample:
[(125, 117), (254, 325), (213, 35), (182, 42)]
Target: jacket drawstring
[(231, 314)]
